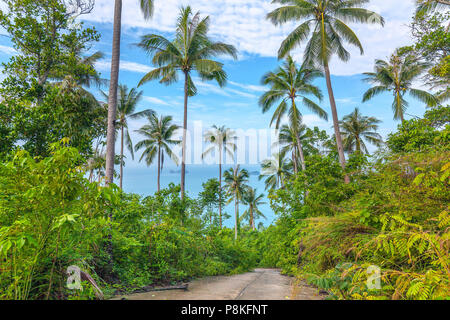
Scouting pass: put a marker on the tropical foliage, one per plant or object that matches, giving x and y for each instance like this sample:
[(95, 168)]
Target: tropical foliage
[(191, 50), (324, 26), (158, 140), (355, 128), (362, 225), (287, 84), (396, 77), (128, 101)]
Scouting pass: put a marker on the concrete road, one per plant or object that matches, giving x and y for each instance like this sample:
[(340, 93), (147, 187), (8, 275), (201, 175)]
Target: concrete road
[(261, 284)]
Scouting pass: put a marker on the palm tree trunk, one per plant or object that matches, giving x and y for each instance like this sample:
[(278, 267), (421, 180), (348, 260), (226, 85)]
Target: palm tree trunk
[(159, 168), (294, 161), (112, 100), (335, 120), (183, 162), (300, 151), (299, 144), (252, 220), (358, 144), (220, 191), (121, 160), (236, 217)]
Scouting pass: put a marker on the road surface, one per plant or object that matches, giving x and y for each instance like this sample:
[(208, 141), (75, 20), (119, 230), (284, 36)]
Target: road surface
[(261, 284)]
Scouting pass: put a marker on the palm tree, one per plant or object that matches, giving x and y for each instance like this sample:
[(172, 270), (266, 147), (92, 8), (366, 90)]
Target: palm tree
[(355, 128), (158, 135), (147, 10), (287, 84), (425, 6), (253, 201), (221, 140), (275, 171), (288, 137), (397, 76), (128, 101), (236, 180), (324, 26), (191, 50)]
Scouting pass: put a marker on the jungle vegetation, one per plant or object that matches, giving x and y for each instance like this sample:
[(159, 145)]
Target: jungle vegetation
[(342, 213)]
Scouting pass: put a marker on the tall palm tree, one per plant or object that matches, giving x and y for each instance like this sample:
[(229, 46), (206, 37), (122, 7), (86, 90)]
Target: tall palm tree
[(253, 201), (221, 140), (356, 128), (147, 10), (236, 180), (128, 101), (323, 24), (288, 140), (191, 50), (158, 135), (275, 171), (397, 76), (288, 84)]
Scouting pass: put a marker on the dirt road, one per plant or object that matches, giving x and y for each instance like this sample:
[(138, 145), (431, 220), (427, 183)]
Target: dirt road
[(261, 284)]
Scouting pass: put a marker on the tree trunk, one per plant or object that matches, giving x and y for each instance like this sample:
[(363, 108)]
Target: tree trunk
[(294, 161), (121, 159), (183, 162), (300, 151), (252, 219), (220, 187), (299, 144), (112, 100), (236, 213), (358, 145), (337, 131), (159, 168)]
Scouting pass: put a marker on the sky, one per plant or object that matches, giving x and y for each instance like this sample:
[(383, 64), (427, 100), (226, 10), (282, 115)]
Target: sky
[(243, 24)]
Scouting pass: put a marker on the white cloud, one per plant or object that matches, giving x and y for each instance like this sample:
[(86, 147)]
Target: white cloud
[(249, 87), (8, 50), (155, 101), (312, 120), (105, 65), (244, 24)]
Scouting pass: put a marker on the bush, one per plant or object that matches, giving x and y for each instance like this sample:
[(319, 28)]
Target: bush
[(51, 218)]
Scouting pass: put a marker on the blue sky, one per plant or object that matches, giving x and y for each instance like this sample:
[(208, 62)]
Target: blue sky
[(243, 24)]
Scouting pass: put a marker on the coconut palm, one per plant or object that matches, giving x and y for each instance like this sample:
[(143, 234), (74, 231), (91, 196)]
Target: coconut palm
[(221, 140), (158, 139), (128, 101), (397, 76), (287, 139), (425, 6), (356, 128), (288, 84), (236, 181), (324, 27), (275, 171), (147, 10), (253, 201), (191, 50)]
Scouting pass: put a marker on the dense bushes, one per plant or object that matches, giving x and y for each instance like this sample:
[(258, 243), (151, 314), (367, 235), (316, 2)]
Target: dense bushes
[(51, 218), (393, 215)]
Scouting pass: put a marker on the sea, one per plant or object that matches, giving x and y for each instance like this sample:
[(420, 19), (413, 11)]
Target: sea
[(143, 182)]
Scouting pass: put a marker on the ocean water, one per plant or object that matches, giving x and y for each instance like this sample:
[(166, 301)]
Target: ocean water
[(143, 182)]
